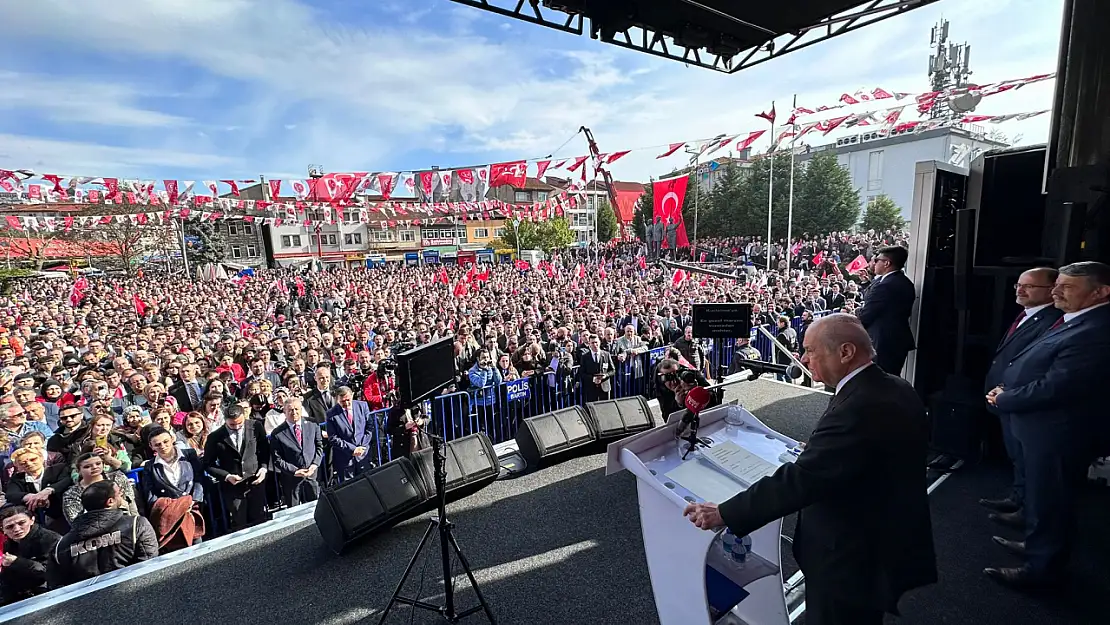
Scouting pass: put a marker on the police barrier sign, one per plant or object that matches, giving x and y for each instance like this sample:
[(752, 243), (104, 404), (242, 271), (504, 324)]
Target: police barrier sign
[(517, 389)]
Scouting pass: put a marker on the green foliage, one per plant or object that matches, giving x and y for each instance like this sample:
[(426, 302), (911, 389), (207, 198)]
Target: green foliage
[(9, 277), (606, 222), (212, 245), (544, 235), (882, 214), (824, 199)]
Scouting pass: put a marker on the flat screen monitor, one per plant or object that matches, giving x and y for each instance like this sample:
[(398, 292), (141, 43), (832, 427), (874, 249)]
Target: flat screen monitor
[(424, 370)]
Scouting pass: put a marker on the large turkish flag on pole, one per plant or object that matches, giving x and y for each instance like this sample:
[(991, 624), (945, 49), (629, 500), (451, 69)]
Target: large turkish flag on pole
[(669, 195)]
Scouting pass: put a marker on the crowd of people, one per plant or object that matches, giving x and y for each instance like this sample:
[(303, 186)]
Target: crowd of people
[(138, 411)]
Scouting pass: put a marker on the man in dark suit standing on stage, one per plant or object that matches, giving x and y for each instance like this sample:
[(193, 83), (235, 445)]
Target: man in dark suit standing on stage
[(886, 309), (864, 536), (349, 435), (298, 451), (237, 455), (1052, 391), (1034, 295)]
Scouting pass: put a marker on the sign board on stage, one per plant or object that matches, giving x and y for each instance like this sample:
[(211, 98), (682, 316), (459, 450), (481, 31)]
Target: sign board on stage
[(722, 321)]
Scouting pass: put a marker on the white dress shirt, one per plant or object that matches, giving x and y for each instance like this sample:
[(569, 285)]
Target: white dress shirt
[(1032, 312), (1069, 316), (854, 373)]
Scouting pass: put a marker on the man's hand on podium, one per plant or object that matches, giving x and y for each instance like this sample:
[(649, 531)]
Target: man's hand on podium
[(705, 515)]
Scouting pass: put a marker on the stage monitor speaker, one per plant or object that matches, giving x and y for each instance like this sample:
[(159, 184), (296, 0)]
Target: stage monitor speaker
[(471, 465), (375, 500), (553, 433), (614, 419)]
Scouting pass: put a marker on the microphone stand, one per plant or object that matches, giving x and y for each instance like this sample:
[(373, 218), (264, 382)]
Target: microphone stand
[(447, 543), (692, 422)]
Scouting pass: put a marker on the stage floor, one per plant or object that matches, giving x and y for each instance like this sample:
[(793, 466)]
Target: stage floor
[(554, 547)]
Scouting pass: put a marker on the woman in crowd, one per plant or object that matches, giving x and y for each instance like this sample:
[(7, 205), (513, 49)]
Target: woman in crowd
[(90, 469), (194, 433), (101, 441)]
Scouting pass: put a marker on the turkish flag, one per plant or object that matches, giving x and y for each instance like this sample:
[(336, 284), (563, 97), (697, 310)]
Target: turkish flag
[(857, 264), (512, 174), (669, 195)]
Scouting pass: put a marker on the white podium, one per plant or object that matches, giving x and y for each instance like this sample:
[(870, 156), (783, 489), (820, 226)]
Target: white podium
[(694, 581)]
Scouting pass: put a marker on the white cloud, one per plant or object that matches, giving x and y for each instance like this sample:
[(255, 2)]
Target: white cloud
[(76, 158), (81, 101), (367, 98)]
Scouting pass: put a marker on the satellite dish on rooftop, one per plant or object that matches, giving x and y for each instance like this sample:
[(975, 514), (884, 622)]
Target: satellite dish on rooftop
[(965, 103)]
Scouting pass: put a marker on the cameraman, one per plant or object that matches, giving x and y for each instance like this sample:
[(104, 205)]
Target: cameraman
[(380, 388), (669, 382)]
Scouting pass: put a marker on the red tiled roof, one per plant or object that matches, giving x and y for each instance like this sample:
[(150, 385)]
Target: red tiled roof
[(56, 248)]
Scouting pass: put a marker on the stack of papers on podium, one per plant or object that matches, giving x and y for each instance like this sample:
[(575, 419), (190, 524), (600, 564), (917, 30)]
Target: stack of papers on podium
[(721, 471), (739, 463)]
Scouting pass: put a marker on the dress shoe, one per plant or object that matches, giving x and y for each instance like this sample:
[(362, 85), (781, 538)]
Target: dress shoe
[(1000, 505), (1015, 520), (1015, 547), (1019, 578)]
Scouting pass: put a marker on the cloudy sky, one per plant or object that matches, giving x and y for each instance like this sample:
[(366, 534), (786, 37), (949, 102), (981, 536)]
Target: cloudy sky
[(211, 89)]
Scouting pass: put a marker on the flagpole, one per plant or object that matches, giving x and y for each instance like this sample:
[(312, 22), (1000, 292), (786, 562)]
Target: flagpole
[(790, 201), (770, 191)]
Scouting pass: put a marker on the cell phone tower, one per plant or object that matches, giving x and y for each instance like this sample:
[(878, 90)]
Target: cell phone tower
[(950, 68)]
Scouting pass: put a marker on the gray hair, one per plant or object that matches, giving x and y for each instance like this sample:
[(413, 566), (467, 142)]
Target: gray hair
[(1095, 272), (343, 391)]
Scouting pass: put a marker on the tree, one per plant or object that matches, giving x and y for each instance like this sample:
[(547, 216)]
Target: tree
[(204, 242), (606, 221), (824, 198), (719, 216), (882, 214), (546, 235)]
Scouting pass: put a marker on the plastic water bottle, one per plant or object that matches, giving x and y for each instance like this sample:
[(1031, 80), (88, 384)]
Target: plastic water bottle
[(735, 548)]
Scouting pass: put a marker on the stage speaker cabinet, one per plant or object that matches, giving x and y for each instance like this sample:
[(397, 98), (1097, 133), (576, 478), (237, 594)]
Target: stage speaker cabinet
[(553, 433), (964, 253), (375, 500), (615, 419), (471, 465)]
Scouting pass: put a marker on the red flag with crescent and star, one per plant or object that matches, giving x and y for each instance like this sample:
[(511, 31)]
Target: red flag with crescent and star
[(669, 195), (513, 174)]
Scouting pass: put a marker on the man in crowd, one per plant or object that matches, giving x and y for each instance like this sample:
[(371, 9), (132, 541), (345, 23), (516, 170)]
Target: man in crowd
[(1049, 392), (103, 539), (1034, 295), (886, 309), (864, 535), (350, 426), (298, 451), (237, 455)]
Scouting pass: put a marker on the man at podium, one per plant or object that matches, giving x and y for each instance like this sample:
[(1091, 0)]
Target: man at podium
[(863, 536)]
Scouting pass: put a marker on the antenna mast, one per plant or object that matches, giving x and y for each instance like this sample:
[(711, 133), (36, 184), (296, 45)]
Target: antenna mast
[(949, 68)]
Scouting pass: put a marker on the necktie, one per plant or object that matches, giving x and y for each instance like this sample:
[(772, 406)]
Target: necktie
[(1059, 322), (1016, 323), (297, 433), (351, 418), (191, 389)]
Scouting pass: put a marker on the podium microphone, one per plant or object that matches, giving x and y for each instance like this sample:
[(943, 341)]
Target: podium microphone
[(697, 399)]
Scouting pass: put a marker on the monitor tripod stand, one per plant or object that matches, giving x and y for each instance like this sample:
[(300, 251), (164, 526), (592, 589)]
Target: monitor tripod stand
[(447, 543)]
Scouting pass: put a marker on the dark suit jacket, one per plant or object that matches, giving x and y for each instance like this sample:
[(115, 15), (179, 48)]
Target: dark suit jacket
[(1011, 345), (863, 531), (886, 313), (590, 367), (56, 477), (344, 437), (291, 456), (154, 484), (179, 392), (221, 458), (1055, 381), (316, 407)]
